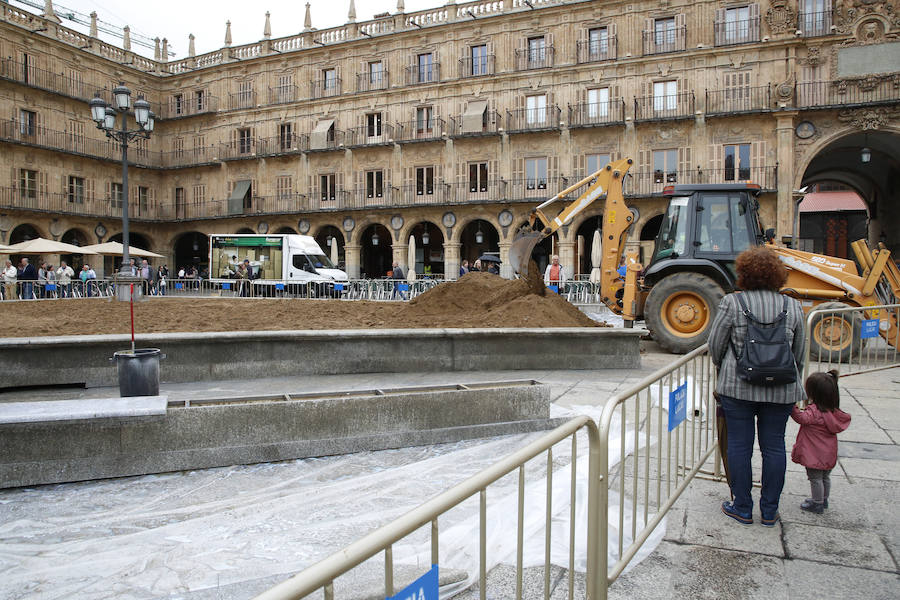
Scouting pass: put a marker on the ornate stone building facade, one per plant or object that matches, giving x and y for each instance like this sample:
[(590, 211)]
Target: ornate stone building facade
[(452, 123)]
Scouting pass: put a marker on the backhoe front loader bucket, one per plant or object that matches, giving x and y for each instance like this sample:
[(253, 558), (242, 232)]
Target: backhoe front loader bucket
[(521, 248)]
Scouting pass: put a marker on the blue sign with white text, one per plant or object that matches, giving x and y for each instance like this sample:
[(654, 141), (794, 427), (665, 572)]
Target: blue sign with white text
[(403, 287), (553, 288), (677, 406), (225, 286), (338, 287), (869, 328), (279, 286), (179, 286), (423, 588)]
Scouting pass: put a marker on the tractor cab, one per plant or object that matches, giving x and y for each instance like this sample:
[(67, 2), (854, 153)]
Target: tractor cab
[(704, 229)]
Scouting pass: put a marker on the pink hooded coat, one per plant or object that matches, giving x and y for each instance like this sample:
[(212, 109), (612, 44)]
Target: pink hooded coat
[(816, 445)]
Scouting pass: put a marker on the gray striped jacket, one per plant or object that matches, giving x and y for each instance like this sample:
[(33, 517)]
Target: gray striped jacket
[(730, 324)]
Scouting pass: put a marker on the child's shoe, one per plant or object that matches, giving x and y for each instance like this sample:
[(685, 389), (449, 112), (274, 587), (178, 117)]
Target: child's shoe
[(810, 505)]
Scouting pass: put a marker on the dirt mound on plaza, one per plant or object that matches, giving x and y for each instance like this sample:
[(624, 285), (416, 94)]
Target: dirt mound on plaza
[(476, 300)]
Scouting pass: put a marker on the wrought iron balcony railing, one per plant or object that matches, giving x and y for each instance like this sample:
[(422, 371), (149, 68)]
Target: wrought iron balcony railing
[(664, 41), (30, 75), (490, 125), (729, 33), (368, 82), (417, 74), (282, 144), (85, 205), (650, 182), (668, 106), (245, 99), (284, 94), (812, 24), (738, 100), (324, 88), (476, 66), (533, 119), (189, 105), (421, 130), (374, 197), (597, 50), (857, 92), (370, 136), (592, 114), (534, 58)]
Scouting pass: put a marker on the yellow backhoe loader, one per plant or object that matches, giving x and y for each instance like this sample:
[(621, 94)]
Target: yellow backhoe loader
[(704, 229)]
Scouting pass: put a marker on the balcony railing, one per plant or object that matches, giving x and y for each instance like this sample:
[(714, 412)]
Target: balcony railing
[(238, 149), (364, 197), (669, 106), (13, 130), (25, 199), (368, 82), (370, 136), (190, 157), (476, 67), (661, 42), (416, 74), (190, 106), (421, 130), (738, 100), (533, 119), (336, 141), (474, 191), (324, 88), (490, 125), (534, 58), (282, 144), (534, 188), (240, 100), (592, 114), (46, 80), (421, 194), (728, 33), (860, 92), (648, 183), (812, 24), (597, 50), (284, 94)]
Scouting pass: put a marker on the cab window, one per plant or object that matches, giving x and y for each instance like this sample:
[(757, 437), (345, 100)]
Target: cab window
[(722, 224)]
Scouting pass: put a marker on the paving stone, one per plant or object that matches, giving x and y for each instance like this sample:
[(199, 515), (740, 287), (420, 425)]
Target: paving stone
[(814, 581), (871, 468), (713, 528), (843, 547), (712, 573)]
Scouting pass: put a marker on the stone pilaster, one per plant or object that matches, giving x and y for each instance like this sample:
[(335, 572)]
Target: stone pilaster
[(566, 251), (451, 259), (352, 253), (784, 139)]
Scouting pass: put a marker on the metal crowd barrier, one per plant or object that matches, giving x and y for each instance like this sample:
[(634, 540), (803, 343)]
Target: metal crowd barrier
[(852, 339), (657, 458)]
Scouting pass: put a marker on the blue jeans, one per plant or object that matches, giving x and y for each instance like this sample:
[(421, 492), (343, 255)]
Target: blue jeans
[(770, 420)]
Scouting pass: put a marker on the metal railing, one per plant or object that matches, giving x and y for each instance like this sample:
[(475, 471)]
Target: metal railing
[(190, 105), (729, 33), (653, 461), (643, 183), (418, 74), (367, 82), (814, 23), (534, 58), (852, 339), (245, 99), (862, 91), (591, 114), (669, 106), (370, 136), (477, 66), (738, 100), (324, 88), (490, 125), (533, 119), (420, 130), (597, 50), (284, 94), (664, 41)]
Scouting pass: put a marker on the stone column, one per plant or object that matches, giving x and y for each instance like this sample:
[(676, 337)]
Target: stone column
[(352, 260), (784, 207), (451, 260), (566, 251), (506, 270)]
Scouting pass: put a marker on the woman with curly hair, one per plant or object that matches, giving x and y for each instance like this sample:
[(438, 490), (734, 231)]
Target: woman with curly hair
[(746, 406)]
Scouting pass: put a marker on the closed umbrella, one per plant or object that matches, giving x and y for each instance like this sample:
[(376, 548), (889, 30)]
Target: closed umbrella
[(45, 246), (411, 260), (117, 249), (596, 257), (334, 252)]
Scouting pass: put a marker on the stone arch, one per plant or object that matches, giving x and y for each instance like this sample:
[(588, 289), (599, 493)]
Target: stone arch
[(77, 237), (285, 230), (334, 235), (436, 239), (470, 249), (375, 260), (24, 232), (246, 230), (190, 249)]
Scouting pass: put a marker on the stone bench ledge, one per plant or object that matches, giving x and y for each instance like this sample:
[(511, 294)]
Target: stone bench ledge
[(82, 410)]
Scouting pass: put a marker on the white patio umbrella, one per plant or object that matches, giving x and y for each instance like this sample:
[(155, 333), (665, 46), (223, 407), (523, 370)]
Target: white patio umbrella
[(45, 246), (411, 259), (334, 252), (117, 249), (4, 249), (596, 257)]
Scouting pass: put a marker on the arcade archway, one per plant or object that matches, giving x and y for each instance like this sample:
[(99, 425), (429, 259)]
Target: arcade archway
[(191, 250), (376, 252), (429, 248), (329, 236), (477, 238)]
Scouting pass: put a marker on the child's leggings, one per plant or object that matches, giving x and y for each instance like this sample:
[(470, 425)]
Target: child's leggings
[(819, 483)]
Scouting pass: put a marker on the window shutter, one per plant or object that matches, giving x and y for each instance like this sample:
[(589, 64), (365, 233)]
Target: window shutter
[(680, 33), (64, 186), (519, 169), (339, 182), (757, 158), (649, 36), (551, 51), (388, 181), (685, 174), (644, 165), (552, 166), (613, 42), (754, 23), (151, 198), (716, 153), (89, 189), (719, 27), (42, 179), (581, 166), (109, 190)]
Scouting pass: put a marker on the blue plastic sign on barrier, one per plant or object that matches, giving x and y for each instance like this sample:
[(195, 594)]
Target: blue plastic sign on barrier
[(179, 286), (225, 286), (279, 286), (339, 287), (677, 406), (403, 287), (51, 287), (553, 288), (423, 588), (869, 328)]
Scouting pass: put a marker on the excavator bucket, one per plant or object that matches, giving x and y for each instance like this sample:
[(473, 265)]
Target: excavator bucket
[(521, 248)]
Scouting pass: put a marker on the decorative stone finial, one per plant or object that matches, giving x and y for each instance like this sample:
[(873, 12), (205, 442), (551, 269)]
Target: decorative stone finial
[(351, 14), (94, 24), (227, 34), (126, 38), (191, 51), (267, 30), (49, 13), (164, 54), (156, 48), (400, 7), (307, 20)]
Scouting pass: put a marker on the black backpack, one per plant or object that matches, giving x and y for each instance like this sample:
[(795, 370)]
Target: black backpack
[(767, 358)]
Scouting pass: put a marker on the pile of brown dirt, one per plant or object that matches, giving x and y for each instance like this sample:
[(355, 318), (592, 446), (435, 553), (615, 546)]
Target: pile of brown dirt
[(476, 300)]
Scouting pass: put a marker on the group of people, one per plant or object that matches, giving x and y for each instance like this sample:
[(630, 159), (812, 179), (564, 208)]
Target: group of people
[(26, 282), (490, 267), (751, 407)]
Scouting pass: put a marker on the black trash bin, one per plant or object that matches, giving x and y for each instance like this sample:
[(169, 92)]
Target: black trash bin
[(138, 371)]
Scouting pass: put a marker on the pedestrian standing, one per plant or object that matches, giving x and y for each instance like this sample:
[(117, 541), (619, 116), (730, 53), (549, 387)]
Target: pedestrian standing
[(464, 268), (64, 275), (10, 279), (27, 276)]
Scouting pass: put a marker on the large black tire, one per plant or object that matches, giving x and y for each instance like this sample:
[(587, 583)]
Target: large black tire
[(680, 310), (834, 337)]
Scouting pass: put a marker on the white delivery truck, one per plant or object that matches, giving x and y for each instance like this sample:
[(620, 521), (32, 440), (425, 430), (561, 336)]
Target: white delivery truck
[(279, 263)]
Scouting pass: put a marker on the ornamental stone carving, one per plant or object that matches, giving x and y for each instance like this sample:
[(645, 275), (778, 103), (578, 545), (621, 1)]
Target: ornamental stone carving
[(867, 118), (848, 13), (780, 17)]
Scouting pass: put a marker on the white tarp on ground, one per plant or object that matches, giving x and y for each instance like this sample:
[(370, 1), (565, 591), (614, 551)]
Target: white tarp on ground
[(161, 535)]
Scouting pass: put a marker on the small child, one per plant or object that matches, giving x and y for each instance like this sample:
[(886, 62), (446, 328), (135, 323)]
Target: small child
[(816, 446)]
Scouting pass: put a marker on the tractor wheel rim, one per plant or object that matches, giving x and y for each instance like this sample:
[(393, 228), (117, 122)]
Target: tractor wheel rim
[(833, 333), (685, 314)]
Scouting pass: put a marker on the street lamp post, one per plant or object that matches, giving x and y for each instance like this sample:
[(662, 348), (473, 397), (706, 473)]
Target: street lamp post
[(104, 115)]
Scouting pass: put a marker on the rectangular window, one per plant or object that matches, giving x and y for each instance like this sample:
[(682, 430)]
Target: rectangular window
[(28, 184), (595, 162), (664, 34), (179, 202), (27, 68), (200, 193), (373, 125), (179, 147), (286, 137), (598, 103), (536, 110), (737, 162), (425, 64), (285, 89), (424, 121), (76, 190), (27, 122), (479, 58), (665, 165), (199, 146), (329, 79), (200, 100), (478, 177), (116, 195), (536, 173), (76, 135), (374, 184), (245, 142), (376, 74), (737, 25), (598, 43), (284, 187), (665, 95), (245, 93), (178, 104), (537, 51), (815, 17), (326, 187), (143, 199), (424, 181)]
